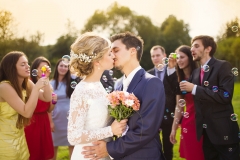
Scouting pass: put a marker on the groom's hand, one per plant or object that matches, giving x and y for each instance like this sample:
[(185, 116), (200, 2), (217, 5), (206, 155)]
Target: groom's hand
[(99, 150)]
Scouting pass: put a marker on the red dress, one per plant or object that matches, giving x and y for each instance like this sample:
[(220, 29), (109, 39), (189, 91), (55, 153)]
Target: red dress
[(190, 147), (38, 133)]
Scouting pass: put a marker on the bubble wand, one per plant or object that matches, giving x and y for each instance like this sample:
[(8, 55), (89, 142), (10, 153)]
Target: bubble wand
[(43, 69)]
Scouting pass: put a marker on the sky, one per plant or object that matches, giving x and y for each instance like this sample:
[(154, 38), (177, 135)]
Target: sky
[(50, 16)]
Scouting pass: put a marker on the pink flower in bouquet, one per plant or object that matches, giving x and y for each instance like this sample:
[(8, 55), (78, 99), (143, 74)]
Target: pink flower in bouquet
[(122, 104)]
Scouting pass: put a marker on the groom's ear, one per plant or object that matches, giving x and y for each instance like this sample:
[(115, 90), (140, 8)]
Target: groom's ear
[(133, 51)]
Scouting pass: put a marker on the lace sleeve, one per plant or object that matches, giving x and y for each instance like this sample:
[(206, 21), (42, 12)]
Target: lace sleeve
[(77, 133)]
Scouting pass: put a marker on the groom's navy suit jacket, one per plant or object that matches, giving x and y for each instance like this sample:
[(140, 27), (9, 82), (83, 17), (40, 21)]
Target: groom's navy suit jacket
[(213, 109), (142, 138)]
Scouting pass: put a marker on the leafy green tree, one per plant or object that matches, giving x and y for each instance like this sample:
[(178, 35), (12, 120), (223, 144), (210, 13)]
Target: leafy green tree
[(229, 49), (232, 29), (30, 46), (117, 19), (62, 46), (229, 43), (174, 33), (6, 25)]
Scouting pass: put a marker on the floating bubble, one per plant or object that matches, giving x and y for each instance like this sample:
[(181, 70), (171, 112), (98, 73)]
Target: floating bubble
[(104, 78), (234, 69), (214, 88), (234, 28), (230, 149), (66, 59), (73, 84), (107, 89), (184, 130), (181, 102), (114, 79), (177, 109), (176, 121), (235, 73), (186, 114), (110, 88), (165, 117), (165, 61), (110, 72), (225, 138), (234, 117), (34, 72), (206, 83), (160, 67), (204, 125), (226, 94), (181, 136), (172, 114), (206, 68)]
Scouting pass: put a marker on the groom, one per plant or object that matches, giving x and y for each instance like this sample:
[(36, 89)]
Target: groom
[(142, 138)]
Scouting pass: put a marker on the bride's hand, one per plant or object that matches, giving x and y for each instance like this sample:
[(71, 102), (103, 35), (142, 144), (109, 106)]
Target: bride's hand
[(119, 127)]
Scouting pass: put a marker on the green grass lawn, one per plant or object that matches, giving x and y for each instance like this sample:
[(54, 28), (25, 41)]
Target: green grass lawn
[(63, 151)]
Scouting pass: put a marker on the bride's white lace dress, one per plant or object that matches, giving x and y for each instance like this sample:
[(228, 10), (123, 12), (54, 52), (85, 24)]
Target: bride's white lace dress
[(88, 117)]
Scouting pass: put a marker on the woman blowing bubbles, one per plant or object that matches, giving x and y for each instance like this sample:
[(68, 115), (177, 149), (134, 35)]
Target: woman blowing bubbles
[(89, 119), (18, 100)]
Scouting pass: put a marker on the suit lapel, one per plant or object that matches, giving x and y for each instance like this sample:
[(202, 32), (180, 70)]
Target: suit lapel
[(211, 68), (196, 76), (136, 79)]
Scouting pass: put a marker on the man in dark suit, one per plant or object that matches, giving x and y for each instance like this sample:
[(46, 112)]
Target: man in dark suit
[(142, 138), (212, 86), (169, 78)]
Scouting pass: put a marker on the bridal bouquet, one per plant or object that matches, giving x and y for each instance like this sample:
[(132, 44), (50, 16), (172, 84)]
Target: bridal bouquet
[(122, 104)]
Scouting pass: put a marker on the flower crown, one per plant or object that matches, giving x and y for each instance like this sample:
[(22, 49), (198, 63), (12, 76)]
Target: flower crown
[(83, 57)]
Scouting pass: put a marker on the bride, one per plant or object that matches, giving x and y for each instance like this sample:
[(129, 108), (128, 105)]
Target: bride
[(89, 119)]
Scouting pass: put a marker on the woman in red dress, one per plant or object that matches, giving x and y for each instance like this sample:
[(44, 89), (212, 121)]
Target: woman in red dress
[(190, 147), (38, 133)]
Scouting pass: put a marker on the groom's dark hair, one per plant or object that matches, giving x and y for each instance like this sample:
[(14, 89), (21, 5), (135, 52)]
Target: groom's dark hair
[(130, 41)]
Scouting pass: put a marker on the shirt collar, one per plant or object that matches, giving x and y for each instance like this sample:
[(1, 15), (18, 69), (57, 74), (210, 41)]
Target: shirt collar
[(131, 75), (206, 62)]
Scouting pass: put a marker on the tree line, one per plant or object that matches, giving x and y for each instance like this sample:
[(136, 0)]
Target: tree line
[(170, 34)]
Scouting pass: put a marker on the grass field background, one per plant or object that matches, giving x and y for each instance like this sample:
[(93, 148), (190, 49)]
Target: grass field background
[(63, 151)]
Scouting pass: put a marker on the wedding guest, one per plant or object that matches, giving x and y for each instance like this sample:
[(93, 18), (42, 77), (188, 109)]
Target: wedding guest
[(38, 133), (141, 140), (212, 88), (167, 75), (89, 119), (18, 100), (61, 84), (190, 147)]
